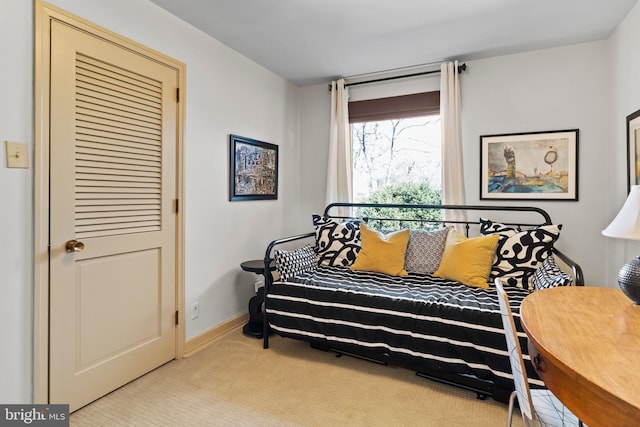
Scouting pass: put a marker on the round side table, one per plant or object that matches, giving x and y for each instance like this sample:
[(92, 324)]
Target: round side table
[(254, 327)]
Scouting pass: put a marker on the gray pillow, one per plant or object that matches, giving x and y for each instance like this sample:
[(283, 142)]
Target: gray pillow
[(424, 250)]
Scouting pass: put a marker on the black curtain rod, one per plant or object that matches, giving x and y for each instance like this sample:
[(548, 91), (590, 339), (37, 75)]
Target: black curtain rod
[(462, 67)]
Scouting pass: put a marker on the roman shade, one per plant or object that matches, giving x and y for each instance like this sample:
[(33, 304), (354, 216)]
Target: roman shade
[(395, 107)]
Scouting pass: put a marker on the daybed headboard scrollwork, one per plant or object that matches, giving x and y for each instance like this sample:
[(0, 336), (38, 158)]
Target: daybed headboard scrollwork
[(526, 217), (421, 216)]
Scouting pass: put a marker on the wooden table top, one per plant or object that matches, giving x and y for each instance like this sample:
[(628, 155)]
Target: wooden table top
[(592, 337)]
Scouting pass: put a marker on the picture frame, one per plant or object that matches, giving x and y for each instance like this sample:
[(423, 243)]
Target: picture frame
[(529, 166), (633, 149), (253, 169)]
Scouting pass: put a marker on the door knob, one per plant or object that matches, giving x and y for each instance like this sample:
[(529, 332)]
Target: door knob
[(74, 246)]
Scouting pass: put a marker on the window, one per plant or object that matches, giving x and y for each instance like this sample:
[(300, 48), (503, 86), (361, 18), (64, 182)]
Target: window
[(397, 149)]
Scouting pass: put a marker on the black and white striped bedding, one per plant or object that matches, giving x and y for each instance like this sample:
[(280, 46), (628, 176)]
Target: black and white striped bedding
[(428, 322)]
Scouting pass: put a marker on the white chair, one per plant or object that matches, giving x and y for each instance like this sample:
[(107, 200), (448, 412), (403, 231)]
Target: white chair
[(539, 407)]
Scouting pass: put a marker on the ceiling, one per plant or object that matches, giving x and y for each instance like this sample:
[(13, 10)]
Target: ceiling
[(314, 41)]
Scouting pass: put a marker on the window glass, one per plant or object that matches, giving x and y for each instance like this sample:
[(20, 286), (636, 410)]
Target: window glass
[(397, 161)]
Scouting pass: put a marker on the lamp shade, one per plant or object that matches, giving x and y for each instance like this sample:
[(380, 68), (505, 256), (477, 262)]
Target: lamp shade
[(626, 225)]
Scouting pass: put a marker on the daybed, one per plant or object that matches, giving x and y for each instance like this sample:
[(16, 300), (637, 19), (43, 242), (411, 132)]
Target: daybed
[(438, 312)]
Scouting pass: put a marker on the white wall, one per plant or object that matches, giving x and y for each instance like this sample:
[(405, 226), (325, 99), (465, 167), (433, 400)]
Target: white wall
[(16, 215), (226, 93), (385, 89), (553, 89), (315, 106), (625, 99)]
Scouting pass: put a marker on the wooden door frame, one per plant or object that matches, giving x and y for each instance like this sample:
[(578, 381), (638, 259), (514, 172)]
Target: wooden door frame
[(43, 15)]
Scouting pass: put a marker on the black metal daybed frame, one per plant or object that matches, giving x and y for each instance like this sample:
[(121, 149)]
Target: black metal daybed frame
[(481, 387)]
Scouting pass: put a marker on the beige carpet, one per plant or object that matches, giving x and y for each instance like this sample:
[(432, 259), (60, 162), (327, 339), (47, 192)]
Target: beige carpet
[(234, 382)]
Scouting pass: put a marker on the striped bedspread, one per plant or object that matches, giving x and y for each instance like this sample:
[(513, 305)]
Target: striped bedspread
[(425, 321)]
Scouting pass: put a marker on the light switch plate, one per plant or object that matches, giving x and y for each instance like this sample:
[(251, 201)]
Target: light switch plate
[(17, 155)]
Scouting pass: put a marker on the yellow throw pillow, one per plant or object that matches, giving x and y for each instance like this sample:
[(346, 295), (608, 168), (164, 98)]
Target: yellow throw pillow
[(382, 253), (467, 260)]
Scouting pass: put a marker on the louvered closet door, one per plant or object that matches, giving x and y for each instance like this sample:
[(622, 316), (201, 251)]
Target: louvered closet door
[(113, 185)]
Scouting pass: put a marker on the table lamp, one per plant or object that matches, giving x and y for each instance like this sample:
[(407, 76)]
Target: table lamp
[(626, 225)]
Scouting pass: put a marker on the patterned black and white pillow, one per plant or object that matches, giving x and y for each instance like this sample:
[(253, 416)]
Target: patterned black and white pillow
[(424, 250), (490, 227), (337, 243), (292, 262), (549, 275), (520, 254)]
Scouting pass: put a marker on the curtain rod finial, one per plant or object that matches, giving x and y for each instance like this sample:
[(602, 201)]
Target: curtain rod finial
[(462, 67)]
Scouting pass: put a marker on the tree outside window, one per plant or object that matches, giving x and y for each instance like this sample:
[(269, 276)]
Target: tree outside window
[(397, 161), (396, 151)]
